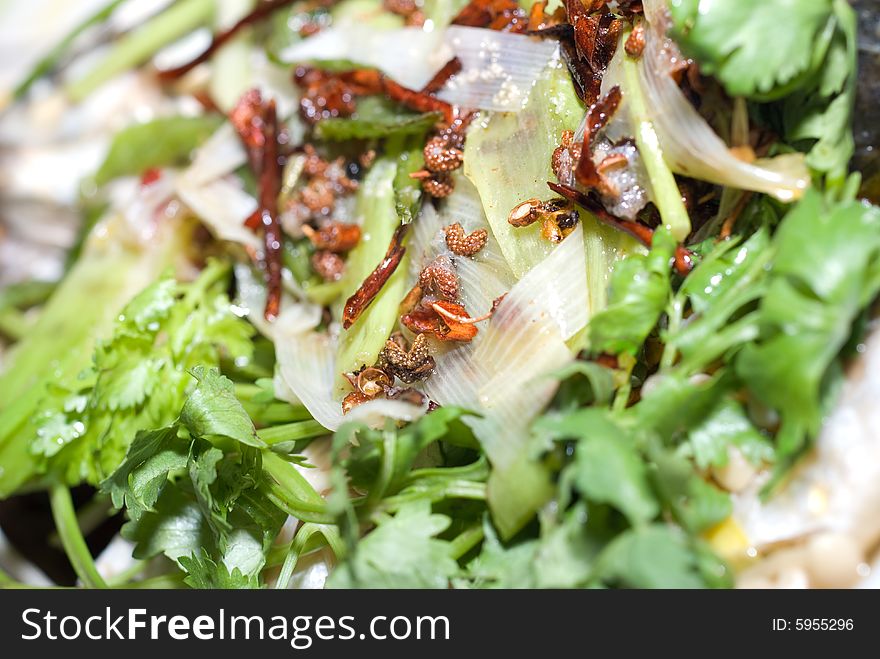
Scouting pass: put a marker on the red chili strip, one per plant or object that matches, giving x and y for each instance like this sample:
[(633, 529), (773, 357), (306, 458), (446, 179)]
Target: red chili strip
[(597, 117), (374, 282), (493, 14), (418, 101), (684, 261), (256, 123), (436, 83), (262, 10), (270, 185)]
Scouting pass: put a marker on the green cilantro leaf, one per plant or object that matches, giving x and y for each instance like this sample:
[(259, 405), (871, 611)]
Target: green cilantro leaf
[(402, 552), (138, 379), (727, 426), (158, 143), (824, 274), (655, 556), (639, 293), (213, 411), (607, 466), (730, 40), (139, 480), (204, 573)]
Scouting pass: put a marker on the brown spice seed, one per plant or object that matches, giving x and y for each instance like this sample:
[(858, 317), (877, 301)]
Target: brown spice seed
[(439, 185), (462, 244), (373, 381), (525, 213), (328, 265), (318, 196), (440, 156), (439, 279), (409, 365), (612, 162), (635, 43)]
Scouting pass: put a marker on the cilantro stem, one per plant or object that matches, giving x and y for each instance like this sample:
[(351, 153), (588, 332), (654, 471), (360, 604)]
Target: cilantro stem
[(674, 314), (122, 579), (139, 45), (269, 414), (161, 582), (478, 470), (291, 432), (667, 196), (457, 489), (72, 538), (465, 541), (289, 490), (302, 544)]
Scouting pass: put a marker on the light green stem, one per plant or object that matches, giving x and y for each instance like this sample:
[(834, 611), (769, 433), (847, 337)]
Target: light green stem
[(291, 432), (72, 538), (667, 196), (466, 541), (136, 47), (291, 492)]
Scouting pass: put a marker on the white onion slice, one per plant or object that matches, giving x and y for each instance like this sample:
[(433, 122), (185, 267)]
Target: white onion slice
[(219, 201), (223, 206), (307, 361), (499, 69), (221, 154), (410, 55)]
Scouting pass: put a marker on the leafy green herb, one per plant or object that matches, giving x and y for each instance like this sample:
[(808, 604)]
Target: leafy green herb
[(824, 273), (402, 552), (139, 377), (730, 40), (375, 120), (655, 556), (639, 294), (207, 508), (159, 143)]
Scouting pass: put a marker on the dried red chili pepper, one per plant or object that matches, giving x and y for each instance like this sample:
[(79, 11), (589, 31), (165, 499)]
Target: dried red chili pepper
[(150, 175), (435, 84), (597, 117), (247, 119), (417, 100), (270, 185), (262, 10), (501, 15), (352, 400), (683, 262), (408, 9), (371, 286), (445, 324), (256, 122), (334, 236)]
